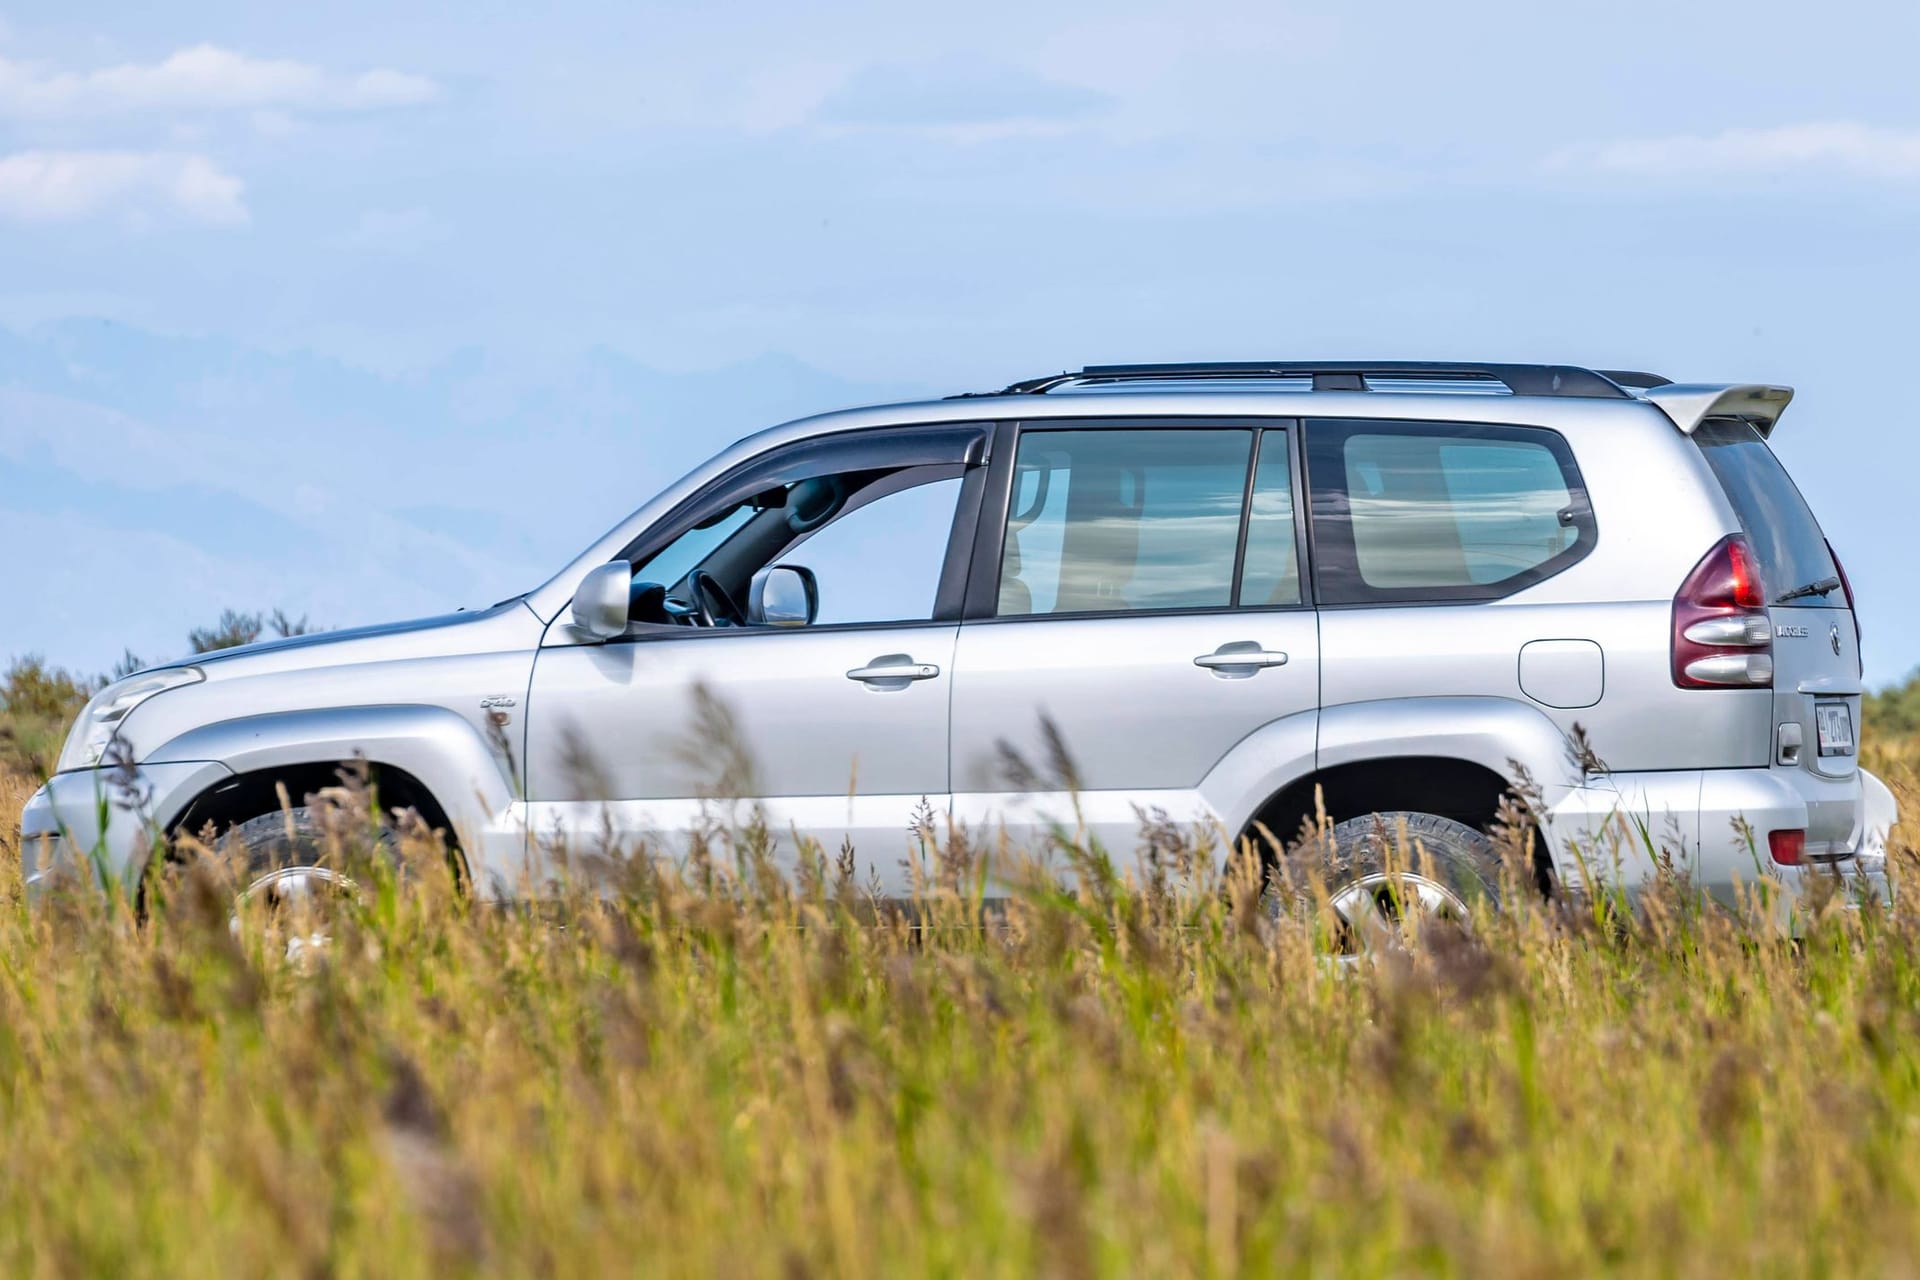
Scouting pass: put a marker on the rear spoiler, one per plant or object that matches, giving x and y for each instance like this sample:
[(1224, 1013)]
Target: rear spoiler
[(1690, 404)]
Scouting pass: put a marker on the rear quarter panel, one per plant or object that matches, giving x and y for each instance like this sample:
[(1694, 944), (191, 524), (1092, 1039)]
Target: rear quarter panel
[(1657, 510)]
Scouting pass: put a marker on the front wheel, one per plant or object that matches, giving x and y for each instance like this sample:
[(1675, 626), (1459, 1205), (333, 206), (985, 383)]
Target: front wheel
[(290, 875)]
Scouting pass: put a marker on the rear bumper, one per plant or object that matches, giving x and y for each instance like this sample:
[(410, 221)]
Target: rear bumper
[(1851, 884), (1712, 825)]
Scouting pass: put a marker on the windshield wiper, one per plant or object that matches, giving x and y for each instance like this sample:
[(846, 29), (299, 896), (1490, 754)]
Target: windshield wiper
[(1822, 587)]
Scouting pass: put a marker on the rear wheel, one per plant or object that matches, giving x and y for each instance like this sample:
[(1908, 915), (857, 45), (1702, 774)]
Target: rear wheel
[(1388, 876)]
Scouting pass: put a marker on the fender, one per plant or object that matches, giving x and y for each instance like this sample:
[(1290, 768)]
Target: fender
[(1491, 732), (435, 745)]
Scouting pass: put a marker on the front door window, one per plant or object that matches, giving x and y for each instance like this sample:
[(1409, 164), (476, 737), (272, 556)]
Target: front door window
[(875, 541), (881, 562)]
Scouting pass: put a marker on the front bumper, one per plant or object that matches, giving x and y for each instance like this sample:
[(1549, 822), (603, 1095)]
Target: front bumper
[(100, 823)]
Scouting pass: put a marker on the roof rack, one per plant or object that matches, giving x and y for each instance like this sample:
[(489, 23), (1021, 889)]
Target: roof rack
[(1342, 375), (1635, 379)]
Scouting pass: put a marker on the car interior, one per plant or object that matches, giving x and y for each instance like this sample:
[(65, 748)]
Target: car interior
[(728, 546)]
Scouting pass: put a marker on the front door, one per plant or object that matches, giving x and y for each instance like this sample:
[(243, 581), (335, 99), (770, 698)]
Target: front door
[(835, 730), (1146, 618)]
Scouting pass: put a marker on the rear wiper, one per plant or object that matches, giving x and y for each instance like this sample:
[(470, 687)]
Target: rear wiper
[(1825, 586)]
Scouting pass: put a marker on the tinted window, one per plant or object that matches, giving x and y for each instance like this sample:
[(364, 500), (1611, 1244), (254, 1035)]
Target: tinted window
[(674, 561), (1785, 536), (1271, 575), (1124, 519), (1432, 512)]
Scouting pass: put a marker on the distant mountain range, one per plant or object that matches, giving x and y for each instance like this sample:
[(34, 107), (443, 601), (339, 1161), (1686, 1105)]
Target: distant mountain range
[(149, 480)]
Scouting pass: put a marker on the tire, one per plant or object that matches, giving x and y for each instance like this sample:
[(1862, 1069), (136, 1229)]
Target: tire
[(1378, 868), (280, 858), (295, 838)]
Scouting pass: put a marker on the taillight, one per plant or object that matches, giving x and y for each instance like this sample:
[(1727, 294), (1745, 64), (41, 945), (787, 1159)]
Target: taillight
[(1789, 848), (1722, 637)]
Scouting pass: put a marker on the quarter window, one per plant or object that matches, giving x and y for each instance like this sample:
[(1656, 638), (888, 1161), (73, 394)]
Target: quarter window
[(1270, 577), (1433, 512)]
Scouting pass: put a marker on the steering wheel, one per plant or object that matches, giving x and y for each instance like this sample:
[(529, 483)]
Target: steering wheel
[(711, 603)]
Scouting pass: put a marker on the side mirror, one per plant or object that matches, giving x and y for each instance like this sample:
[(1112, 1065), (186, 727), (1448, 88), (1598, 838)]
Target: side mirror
[(600, 604), (783, 595)]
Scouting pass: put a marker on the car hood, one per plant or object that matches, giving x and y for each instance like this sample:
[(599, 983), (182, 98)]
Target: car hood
[(509, 624)]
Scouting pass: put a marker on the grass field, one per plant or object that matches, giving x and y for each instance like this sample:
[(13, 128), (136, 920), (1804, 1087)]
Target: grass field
[(716, 1073)]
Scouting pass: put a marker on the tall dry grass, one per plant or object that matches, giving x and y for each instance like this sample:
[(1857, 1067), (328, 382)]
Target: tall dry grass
[(720, 1071)]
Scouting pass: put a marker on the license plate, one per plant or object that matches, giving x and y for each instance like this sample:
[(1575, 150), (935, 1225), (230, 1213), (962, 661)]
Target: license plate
[(1835, 722)]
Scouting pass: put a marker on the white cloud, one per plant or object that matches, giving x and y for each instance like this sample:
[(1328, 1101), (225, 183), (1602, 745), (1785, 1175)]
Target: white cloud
[(1840, 146), (202, 78), (57, 186)]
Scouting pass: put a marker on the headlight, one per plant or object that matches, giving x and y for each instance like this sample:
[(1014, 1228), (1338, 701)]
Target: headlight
[(109, 708)]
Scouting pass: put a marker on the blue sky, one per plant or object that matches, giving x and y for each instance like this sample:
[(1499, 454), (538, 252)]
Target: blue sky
[(366, 314)]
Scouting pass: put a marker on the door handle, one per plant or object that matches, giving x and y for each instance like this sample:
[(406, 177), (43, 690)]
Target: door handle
[(1242, 655), (890, 671)]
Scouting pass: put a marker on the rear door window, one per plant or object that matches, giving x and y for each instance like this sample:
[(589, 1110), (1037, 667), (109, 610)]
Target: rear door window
[(1776, 519), (1125, 520), (1412, 512)]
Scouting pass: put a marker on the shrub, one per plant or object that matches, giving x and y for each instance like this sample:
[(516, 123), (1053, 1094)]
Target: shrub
[(37, 703), (1895, 711)]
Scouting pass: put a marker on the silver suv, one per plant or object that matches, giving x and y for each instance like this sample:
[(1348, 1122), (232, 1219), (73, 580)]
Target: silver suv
[(1234, 592)]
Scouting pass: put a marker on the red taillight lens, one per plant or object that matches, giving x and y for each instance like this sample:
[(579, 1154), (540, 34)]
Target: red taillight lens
[(1722, 637), (1789, 848), (1728, 577), (1748, 592)]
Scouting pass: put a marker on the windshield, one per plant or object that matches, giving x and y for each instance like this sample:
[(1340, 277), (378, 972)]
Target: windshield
[(1785, 537)]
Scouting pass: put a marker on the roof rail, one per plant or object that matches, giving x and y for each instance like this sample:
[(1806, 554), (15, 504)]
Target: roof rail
[(1352, 375), (1634, 378)]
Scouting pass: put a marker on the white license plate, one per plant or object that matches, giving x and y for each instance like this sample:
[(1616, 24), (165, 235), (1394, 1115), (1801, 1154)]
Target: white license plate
[(1835, 722)]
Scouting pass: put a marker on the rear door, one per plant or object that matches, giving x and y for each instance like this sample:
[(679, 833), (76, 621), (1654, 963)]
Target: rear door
[(1816, 651), (1135, 613)]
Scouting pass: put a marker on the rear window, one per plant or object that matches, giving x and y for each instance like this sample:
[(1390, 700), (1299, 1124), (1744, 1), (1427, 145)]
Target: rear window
[(1776, 519)]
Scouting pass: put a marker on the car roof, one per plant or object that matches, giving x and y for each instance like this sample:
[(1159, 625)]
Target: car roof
[(1563, 396), (1451, 390)]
